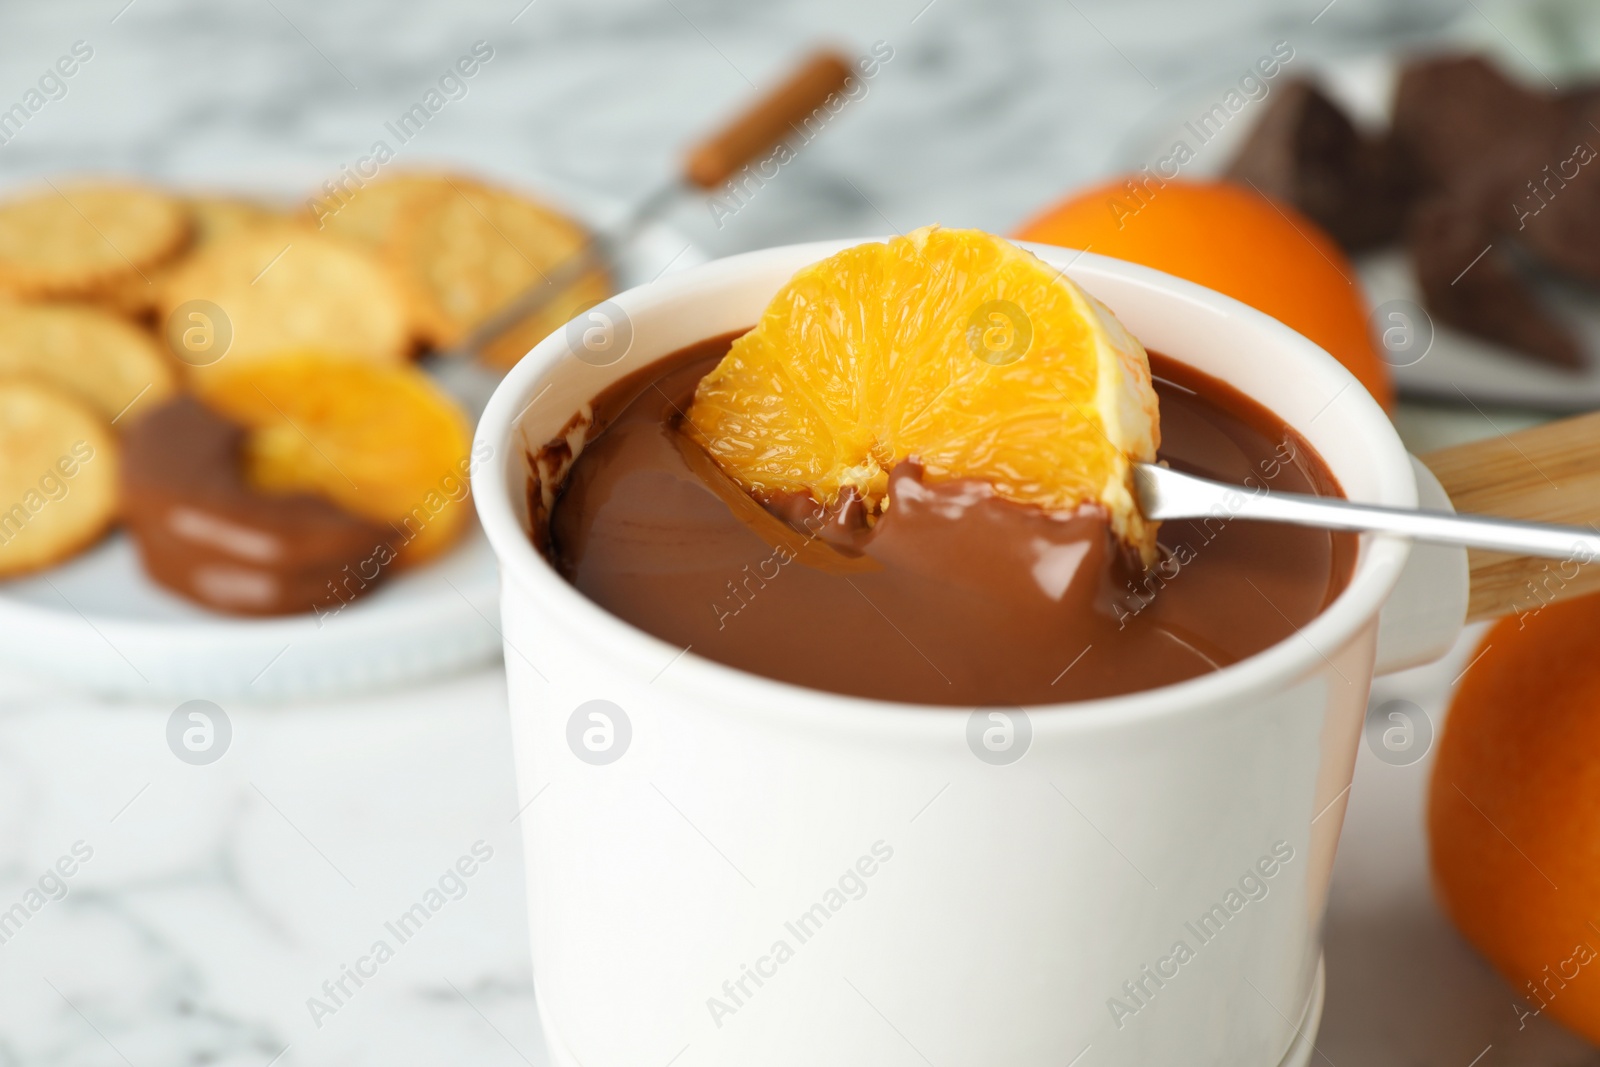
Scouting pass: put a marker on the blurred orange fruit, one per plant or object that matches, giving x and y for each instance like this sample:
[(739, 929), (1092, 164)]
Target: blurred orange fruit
[(1228, 238), (954, 348), (1514, 810)]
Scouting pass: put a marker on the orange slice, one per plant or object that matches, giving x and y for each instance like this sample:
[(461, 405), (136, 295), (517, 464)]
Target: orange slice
[(953, 348), (380, 441)]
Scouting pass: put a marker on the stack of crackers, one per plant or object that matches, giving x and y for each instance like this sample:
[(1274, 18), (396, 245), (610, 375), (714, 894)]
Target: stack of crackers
[(118, 298)]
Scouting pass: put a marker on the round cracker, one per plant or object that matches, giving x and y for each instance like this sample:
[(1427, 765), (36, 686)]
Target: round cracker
[(58, 476), (212, 218), (283, 287), (466, 251), (372, 214), (78, 240), (111, 365), (216, 217), (135, 296)]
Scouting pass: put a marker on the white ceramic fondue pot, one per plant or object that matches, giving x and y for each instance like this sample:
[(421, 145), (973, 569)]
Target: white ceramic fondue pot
[(727, 870)]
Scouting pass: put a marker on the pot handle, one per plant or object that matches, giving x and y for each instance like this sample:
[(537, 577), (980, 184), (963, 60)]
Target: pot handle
[(1423, 616), (1546, 473)]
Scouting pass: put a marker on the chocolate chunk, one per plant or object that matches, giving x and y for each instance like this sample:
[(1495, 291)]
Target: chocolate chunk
[(1578, 99), (1462, 122), (1479, 291), (205, 534), (1305, 151), (1556, 207)]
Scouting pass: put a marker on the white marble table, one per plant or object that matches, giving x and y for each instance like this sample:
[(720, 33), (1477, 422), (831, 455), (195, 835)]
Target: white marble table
[(218, 899)]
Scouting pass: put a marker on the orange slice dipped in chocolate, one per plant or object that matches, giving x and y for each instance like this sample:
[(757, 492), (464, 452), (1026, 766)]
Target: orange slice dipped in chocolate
[(953, 349), (382, 442), (205, 533)]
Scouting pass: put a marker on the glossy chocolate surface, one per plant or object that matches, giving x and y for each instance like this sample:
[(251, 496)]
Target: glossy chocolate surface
[(954, 596)]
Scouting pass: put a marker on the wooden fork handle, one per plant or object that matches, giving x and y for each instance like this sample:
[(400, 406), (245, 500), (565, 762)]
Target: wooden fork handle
[(1549, 473), (773, 118)]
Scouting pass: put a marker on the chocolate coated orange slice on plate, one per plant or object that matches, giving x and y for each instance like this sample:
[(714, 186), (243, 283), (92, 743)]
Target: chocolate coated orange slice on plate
[(380, 441)]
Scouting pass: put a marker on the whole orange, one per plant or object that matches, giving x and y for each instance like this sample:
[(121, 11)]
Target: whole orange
[(1229, 238), (1514, 809)]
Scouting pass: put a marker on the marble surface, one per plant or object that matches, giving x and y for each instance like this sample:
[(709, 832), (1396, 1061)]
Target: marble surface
[(207, 904)]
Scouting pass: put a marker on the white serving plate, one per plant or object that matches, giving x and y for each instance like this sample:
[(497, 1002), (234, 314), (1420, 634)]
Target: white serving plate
[(1456, 365), (98, 622)]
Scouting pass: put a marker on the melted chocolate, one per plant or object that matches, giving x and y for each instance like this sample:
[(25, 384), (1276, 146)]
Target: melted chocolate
[(954, 596), (204, 533)]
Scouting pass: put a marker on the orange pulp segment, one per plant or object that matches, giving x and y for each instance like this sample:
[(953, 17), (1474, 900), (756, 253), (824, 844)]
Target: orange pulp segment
[(953, 348)]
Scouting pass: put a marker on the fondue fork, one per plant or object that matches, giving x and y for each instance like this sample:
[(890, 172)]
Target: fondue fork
[(1164, 493)]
